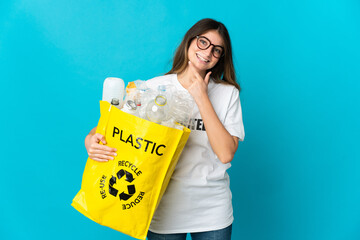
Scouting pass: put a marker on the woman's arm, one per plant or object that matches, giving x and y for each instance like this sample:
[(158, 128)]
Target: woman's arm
[(223, 144), (97, 151)]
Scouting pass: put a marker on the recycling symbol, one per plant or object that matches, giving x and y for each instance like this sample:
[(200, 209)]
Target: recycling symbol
[(130, 187)]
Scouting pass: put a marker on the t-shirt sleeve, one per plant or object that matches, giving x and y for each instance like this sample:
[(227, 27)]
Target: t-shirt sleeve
[(233, 121)]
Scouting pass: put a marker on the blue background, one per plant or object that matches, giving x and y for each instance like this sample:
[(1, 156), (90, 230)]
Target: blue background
[(296, 175)]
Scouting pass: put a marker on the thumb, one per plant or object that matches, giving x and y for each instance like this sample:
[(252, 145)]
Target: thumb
[(101, 138), (207, 78)]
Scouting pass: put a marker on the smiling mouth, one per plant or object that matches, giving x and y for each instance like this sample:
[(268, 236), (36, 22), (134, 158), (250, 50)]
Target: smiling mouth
[(202, 59)]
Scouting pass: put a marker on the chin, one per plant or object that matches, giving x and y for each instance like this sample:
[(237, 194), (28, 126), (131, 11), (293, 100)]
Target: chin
[(200, 66)]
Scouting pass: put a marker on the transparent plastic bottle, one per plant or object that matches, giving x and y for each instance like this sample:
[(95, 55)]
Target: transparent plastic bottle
[(157, 109), (181, 108), (146, 95), (130, 107), (131, 92)]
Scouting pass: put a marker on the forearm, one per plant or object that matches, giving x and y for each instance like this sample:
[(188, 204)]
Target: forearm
[(223, 144), (87, 138)]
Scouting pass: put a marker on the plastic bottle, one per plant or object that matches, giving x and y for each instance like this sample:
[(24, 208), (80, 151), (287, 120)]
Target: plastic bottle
[(130, 107), (181, 108), (157, 109), (113, 91), (146, 96)]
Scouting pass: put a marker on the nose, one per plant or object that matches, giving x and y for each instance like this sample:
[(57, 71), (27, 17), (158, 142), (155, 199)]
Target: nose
[(208, 51)]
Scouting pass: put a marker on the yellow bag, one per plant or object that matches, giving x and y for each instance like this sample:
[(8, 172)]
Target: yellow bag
[(123, 193)]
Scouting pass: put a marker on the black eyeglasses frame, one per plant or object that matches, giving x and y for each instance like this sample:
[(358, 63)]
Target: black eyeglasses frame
[(212, 51)]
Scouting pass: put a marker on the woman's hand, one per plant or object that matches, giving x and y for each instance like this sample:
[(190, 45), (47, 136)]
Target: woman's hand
[(197, 85), (97, 151)]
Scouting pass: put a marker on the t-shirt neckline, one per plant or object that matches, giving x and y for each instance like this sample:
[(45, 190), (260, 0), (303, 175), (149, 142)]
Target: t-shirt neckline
[(178, 83)]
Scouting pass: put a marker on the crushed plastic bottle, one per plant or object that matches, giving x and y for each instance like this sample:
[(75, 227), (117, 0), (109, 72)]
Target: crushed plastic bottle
[(146, 96), (172, 123), (181, 108), (130, 107), (131, 92)]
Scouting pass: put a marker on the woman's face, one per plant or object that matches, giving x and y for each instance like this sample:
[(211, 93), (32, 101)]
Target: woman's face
[(204, 59)]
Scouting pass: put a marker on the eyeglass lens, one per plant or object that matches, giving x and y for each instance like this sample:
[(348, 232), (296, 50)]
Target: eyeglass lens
[(203, 43)]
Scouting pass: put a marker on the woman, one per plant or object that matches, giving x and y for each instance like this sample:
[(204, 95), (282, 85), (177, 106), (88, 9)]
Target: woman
[(198, 197)]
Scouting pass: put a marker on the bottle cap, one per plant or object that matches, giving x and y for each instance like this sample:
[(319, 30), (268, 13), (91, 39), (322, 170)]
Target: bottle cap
[(130, 104), (115, 101)]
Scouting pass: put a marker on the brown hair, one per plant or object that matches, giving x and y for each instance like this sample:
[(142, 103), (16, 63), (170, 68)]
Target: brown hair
[(223, 71)]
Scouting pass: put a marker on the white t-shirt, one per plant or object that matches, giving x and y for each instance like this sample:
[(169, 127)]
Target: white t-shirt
[(198, 197)]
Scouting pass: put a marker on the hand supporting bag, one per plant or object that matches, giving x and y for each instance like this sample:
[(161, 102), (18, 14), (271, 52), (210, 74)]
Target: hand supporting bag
[(123, 193)]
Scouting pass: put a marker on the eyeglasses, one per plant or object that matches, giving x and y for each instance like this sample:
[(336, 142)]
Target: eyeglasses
[(204, 43)]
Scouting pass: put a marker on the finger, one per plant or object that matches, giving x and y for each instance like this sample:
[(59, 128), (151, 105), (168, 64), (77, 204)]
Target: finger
[(101, 156), (99, 159), (207, 78), (97, 146), (98, 151)]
